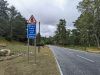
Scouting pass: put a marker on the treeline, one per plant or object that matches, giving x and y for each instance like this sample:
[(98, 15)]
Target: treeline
[(12, 23), (87, 32), (64, 36)]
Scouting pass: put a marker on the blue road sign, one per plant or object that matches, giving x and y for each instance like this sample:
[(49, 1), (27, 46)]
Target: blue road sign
[(31, 31)]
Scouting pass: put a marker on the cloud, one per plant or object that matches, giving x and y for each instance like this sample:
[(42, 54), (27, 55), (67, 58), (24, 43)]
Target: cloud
[(48, 12), (47, 30)]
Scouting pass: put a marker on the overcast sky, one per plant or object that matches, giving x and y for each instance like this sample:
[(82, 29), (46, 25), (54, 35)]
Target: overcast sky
[(48, 12)]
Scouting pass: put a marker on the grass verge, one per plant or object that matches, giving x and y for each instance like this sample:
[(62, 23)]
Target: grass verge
[(45, 63), (88, 49)]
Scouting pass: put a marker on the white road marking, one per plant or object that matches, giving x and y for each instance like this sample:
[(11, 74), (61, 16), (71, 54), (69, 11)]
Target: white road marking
[(85, 58), (61, 73)]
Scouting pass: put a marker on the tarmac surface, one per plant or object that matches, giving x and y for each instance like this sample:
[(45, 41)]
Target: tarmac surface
[(75, 62)]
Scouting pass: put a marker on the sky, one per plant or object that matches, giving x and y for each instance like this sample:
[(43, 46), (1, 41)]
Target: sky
[(48, 12)]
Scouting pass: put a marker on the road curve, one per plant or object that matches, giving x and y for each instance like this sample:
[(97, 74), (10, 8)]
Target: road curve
[(73, 62)]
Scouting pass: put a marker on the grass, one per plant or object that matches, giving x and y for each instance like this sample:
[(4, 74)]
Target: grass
[(45, 63), (93, 49)]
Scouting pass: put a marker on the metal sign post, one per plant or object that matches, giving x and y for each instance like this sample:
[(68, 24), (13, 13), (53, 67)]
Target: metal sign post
[(28, 48), (35, 49)]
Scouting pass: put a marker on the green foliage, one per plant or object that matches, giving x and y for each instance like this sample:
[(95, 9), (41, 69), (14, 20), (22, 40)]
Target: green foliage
[(12, 24), (3, 17), (88, 23), (60, 33), (47, 40), (74, 37)]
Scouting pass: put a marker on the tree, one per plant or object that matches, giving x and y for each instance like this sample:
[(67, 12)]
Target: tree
[(74, 37), (88, 22), (12, 24), (19, 28), (16, 25), (83, 24), (60, 34), (3, 17), (12, 13)]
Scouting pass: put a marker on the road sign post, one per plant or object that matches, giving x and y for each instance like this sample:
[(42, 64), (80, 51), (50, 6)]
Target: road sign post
[(31, 33), (35, 49), (28, 48)]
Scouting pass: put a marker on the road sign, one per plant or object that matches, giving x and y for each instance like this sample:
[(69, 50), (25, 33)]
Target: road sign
[(31, 20), (31, 31)]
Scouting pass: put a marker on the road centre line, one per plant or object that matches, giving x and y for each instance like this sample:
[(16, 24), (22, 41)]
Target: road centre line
[(85, 58)]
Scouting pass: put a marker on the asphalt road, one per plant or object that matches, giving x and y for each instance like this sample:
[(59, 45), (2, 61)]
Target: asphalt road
[(73, 62)]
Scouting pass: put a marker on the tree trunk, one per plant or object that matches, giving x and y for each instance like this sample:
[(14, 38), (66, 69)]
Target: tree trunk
[(97, 40), (96, 37)]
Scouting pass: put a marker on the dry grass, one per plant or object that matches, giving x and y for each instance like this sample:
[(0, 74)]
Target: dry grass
[(45, 63), (93, 50), (88, 49)]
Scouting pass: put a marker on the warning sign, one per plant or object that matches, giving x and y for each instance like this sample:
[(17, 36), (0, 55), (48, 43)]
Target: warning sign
[(31, 20)]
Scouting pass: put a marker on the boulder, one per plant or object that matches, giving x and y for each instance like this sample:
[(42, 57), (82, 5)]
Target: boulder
[(5, 52)]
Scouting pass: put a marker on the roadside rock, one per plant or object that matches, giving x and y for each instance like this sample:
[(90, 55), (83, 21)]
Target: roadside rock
[(5, 52)]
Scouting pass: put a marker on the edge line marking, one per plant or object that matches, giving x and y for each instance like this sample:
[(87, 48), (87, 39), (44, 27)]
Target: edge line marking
[(57, 62)]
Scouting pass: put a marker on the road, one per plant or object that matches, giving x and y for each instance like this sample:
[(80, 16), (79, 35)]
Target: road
[(74, 62)]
